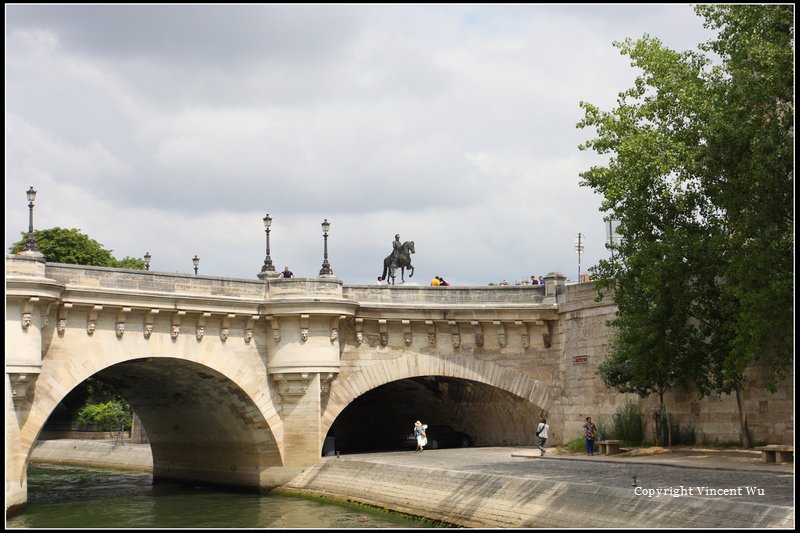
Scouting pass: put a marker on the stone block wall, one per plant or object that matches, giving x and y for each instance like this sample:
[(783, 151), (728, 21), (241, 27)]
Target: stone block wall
[(715, 419)]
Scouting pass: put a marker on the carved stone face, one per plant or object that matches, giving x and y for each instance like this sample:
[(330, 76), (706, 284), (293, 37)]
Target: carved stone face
[(120, 328), (175, 331), (526, 341), (407, 338), (384, 339), (199, 332), (90, 327), (304, 334), (479, 339), (276, 335), (432, 339), (148, 330), (26, 320), (248, 335), (61, 327), (334, 334), (456, 340), (223, 334), (359, 337), (502, 339)]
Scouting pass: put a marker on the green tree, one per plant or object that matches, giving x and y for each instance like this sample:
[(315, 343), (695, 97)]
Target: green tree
[(60, 245), (109, 416), (700, 176)]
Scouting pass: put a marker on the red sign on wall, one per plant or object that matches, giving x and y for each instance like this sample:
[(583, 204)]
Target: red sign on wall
[(580, 359)]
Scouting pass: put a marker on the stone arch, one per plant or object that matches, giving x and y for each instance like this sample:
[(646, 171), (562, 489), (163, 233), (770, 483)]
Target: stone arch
[(227, 424), (509, 379)]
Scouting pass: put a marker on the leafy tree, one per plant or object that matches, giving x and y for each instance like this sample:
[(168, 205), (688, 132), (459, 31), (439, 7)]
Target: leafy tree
[(59, 245), (700, 176), (108, 416)]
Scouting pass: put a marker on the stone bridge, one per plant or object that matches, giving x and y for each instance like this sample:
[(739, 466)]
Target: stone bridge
[(240, 382)]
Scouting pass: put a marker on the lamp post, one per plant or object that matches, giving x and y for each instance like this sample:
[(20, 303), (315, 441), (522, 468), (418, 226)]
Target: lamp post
[(268, 266), (147, 258), (579, 244), (195, 262), (326, 268), (30, 246), (612, 237)]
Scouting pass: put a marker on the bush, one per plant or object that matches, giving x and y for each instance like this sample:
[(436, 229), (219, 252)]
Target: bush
[(575, 445), (628, 426), (109, 416)]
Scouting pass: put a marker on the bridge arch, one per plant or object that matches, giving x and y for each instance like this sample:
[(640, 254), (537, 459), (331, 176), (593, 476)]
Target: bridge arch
[(207, 420), (518, 385)]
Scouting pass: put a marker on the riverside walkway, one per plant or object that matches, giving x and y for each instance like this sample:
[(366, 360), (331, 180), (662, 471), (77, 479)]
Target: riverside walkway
[(514, 487)]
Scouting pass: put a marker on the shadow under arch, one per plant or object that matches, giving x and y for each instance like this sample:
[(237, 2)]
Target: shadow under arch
[(496, 404), (202, 426)]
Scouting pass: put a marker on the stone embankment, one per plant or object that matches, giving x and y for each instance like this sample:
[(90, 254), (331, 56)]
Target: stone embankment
[(505, 487), (104, 453)]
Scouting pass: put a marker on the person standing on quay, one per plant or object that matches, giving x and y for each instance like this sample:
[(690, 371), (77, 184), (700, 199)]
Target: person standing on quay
[(591, 435), (419, 433), (541, 432)]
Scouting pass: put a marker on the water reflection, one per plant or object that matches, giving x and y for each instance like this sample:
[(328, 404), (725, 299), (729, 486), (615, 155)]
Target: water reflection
[(77, 497)]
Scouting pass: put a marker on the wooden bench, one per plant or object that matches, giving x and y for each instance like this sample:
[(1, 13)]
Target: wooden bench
[(777, 453), (609, 447)]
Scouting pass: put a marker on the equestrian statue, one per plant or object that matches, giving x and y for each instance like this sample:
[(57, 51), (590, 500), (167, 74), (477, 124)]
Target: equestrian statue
[(399, 258)]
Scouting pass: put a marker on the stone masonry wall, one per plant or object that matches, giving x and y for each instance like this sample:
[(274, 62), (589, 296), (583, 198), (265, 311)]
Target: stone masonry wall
[(715, 419)]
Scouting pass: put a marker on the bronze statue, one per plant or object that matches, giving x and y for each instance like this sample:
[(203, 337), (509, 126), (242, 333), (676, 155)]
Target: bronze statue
[(399, 258)]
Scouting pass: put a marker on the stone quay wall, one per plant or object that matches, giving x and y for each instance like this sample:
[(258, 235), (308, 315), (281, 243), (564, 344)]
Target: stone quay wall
[(715, 419), (497, 501)]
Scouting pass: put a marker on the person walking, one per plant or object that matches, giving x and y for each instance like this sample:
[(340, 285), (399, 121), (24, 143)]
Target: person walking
[(419, 432), (591, 435), (541, 432)]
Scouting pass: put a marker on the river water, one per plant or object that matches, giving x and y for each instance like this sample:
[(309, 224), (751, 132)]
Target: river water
[(79, 497)]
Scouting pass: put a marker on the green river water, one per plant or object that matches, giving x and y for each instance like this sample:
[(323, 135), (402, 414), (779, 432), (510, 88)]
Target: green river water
[(79, 497)]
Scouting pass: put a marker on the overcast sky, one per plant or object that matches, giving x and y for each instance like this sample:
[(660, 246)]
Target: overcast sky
[(174, 129)]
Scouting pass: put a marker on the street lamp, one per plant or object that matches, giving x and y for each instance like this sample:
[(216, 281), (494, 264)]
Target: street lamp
[(579, 244), (613, 238), (195, 262), (326, 268), (147, 258), (30, 246), (268, 266)]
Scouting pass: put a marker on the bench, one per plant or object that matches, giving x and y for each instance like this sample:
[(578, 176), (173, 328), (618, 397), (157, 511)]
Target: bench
[(609, 447), (776, 453)]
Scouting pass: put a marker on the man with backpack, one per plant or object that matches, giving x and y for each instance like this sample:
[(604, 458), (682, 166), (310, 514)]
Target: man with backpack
[(541, 433)]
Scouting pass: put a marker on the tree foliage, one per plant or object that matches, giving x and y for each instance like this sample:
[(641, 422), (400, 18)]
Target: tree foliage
[(60, 245), (700, 176), (109, 416)]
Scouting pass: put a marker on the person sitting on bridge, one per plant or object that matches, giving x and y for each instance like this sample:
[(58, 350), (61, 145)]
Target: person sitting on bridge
[(442, 282), (286, 274), (435, 281)]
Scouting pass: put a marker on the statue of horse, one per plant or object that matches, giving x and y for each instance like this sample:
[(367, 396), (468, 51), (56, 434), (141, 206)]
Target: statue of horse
[(403, 262)]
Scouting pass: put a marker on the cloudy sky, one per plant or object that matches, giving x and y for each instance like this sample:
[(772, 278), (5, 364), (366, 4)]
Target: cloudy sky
[(174, 129)]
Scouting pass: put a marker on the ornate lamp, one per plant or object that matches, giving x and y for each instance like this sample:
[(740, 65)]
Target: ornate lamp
[(268, 266), (326, 268), (195, 262), (147, 258), (30, 246)]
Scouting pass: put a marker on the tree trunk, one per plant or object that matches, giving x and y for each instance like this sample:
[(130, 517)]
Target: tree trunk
[(743, 421)]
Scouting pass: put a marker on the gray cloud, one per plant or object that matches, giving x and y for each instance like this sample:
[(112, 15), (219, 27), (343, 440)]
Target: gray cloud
[(173, 129)]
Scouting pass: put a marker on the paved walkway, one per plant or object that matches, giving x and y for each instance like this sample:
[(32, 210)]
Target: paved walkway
[(718, 477), (682, 467)]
